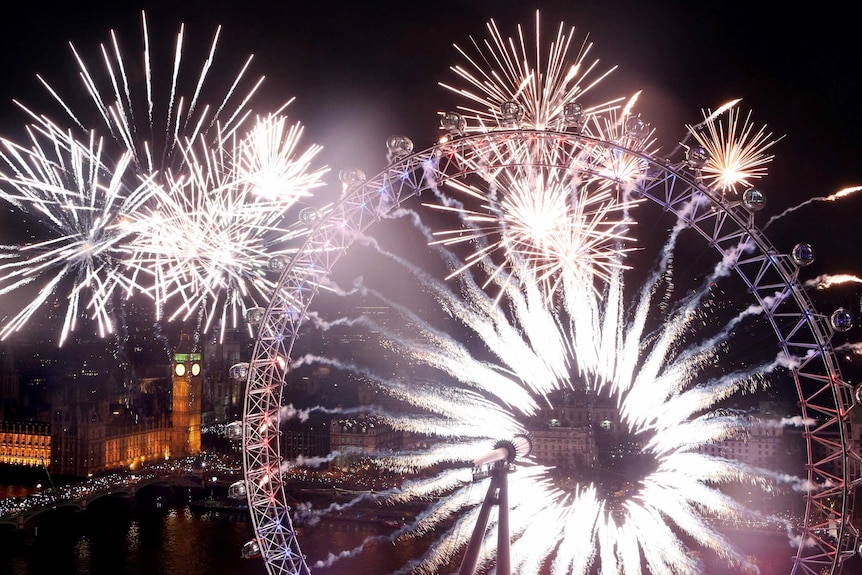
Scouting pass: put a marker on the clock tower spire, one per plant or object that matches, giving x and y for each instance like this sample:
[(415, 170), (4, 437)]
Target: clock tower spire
[(187, 378)]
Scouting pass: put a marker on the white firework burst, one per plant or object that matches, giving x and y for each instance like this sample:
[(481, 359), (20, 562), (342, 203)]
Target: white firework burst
[(216, 235), (534, 360), (204, 206), (81, 201), (737, 154), (553, 218)]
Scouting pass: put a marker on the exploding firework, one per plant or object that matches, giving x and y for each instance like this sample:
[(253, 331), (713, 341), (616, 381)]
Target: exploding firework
[(647, 391), (515, 86), (156, 193), (734, 154), (137, 117), (551, 219), (216, 236), (82, 200)]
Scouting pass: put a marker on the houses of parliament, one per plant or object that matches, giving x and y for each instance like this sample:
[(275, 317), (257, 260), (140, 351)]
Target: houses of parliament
[(102, 404)]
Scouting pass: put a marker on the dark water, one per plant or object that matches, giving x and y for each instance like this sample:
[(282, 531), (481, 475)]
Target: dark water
[(164, 536), (118, 538)]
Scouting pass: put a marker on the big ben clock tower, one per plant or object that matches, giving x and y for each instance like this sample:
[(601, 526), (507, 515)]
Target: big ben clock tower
[(187, 376)]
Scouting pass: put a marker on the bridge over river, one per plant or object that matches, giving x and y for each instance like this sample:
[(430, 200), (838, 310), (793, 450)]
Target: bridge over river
[(192, 473)]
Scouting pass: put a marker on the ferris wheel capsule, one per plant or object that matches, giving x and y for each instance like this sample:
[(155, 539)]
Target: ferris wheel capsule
[(276, 263), (398, 147), (351, 176), (841, 320), (309, 215), (238, 371), (254, 315), (251, 549), (511, 114), (753, 199), (237, 490), (233, 430), (453, 123), (802, 254), (573, 116), (696, 157), (636, 128)]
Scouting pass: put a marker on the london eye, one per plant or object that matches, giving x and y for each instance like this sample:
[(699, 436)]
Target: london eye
[(576, 265)]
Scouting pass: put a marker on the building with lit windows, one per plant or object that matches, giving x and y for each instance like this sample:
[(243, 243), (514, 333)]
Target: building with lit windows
[(356, 437), (25, 443)]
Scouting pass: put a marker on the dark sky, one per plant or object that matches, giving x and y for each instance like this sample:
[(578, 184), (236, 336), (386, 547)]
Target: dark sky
[(362, 71)]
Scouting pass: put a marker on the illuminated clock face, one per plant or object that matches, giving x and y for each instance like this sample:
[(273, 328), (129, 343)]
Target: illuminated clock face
[(180, 369), (196, 369)]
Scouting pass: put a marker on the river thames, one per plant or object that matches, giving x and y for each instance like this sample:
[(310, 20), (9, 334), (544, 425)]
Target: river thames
[(165, 535)]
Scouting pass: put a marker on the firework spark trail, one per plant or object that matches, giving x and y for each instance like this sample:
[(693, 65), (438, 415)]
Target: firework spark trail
[(180, 117), (504, 341), (211, 239), (450, 538), (826, 281), (612, 357), (289, 412), (424, 523), (517, 77), (459, 405), (653, 377), (575, 552), (539, 330), (551, 219), (532, 225), (831, 198)]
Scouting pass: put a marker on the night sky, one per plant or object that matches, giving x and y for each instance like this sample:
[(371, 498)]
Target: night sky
[(363, 71)]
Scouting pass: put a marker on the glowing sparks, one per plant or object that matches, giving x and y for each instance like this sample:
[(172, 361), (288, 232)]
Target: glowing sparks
[(840, 194), (737, 153), (826, 281), (552, 218), (564, 331), (510, 85), (215, 236), (82, 202), (843, 193), (272, 164), (174, 202), (548, 219)]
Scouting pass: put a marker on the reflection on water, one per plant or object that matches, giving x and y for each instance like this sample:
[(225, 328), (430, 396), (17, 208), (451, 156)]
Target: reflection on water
[(155, 537), (114, 537), (118, 537)]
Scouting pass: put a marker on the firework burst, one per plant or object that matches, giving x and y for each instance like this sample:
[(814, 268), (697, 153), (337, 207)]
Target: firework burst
[(737, 154), (180, 204), (512, 86), (217, 234), (541, 324), (553, 219), (649, 384), (139, 119), (82, 202)]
